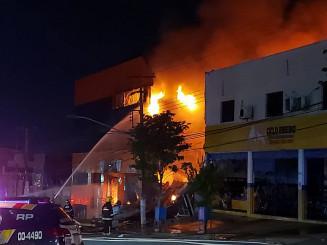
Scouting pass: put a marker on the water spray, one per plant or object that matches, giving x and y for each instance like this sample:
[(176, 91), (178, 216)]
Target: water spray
[(79, 165)]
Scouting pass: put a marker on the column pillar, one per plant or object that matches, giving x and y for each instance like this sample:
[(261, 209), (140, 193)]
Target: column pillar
[(250, 183), (121, 187), (302, 185)]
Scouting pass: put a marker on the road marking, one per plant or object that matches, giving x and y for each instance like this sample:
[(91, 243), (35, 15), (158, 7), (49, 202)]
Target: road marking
[(195, 242)]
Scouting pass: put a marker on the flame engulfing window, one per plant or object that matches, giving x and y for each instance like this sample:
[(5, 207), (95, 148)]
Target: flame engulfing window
[(188, 100), (154, 105), (126, 98)]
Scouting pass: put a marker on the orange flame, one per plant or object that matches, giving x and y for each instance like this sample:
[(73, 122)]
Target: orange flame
[(188, 100), (154, 105)]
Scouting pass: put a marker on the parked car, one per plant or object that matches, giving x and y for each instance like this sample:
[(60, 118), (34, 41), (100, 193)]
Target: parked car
[(36, 221)]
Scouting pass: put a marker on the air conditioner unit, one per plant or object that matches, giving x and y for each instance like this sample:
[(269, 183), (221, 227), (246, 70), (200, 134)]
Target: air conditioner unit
[(298, 103), (246, 112), (288, 104)]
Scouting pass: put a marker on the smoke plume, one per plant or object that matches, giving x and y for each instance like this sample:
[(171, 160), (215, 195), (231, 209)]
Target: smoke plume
[(230, 32), (234, 31)]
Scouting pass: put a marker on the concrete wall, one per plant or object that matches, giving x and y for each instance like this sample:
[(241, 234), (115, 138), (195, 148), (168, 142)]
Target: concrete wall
[(295, 72)]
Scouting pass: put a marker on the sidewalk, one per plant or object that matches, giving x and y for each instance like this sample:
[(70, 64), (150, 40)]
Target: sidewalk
[(230, 227)]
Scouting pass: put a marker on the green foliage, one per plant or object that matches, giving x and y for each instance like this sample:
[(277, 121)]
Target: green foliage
[(207, 183), (157, 143), (189, 170)]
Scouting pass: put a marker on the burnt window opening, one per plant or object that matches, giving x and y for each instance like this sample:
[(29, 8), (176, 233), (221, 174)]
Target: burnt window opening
[(274, 104), (324, 96), (227, 111)]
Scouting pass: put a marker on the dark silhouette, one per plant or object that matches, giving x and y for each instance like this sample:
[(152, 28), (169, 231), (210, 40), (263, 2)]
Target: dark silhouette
[(69, 209), (107, 216)]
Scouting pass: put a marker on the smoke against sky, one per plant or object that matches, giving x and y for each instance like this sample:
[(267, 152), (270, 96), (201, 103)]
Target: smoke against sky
[(229, 32), (235, 31), (47, 45)]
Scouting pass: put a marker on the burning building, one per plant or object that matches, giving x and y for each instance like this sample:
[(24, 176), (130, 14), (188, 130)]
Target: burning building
[(106, 108), (224, 34), (107, 102)]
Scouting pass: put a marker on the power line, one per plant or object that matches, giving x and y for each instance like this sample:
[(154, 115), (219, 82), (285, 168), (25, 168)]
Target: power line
[(222, 130), (176, 103), (92, 134), (182, 105), (195, 93), (252, 138)]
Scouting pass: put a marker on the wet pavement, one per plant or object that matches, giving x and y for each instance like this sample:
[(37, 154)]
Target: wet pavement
[(228, 227)]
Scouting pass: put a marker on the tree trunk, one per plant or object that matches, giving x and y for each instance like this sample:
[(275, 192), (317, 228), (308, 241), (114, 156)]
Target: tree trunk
[(143, 202), (160, 189), (142, 211)]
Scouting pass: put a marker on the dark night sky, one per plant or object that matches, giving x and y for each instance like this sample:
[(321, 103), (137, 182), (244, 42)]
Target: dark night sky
[(46, 45)]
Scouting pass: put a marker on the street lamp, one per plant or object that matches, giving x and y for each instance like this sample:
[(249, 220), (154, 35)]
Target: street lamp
[(97, 122)]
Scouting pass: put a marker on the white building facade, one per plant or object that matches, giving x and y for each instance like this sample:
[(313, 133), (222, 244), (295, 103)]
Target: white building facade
[(266, 131)]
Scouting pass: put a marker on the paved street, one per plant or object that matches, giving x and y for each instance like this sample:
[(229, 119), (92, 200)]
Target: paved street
[(150, 241), (224, 229)]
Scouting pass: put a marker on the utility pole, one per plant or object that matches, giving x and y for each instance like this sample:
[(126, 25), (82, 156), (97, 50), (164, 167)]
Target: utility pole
[(143, 198), (141, 105), (26, 180)]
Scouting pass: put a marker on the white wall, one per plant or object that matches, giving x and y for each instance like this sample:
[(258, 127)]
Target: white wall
[(297, 70)]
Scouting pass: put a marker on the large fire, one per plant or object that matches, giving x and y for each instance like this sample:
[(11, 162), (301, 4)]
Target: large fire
[(154, 105), (225, 33), (187, 100)]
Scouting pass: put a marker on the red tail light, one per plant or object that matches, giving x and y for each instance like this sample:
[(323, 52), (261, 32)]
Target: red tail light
[(58, 232)]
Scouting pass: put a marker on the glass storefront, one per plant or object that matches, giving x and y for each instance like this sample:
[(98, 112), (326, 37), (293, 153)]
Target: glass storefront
[(232, 194), (275, 183), (316, 184)]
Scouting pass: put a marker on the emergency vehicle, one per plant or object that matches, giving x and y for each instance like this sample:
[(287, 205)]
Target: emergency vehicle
[(36, 221)]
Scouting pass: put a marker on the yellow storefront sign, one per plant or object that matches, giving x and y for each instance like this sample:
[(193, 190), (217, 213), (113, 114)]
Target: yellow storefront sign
[(289, 133)]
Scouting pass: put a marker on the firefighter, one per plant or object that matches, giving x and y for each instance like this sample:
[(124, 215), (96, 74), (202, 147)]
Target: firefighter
[(107, 216), (69, 209)]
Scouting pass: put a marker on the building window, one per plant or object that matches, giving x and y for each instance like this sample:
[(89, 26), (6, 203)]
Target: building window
[(80, 179), (288, 104), (227, 111), (274, 104), (324, 96)]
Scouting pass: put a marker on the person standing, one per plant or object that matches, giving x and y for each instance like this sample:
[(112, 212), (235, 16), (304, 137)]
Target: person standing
[(107, 216), (69, 209)]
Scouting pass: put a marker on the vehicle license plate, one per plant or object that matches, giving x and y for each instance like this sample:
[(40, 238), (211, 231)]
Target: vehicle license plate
[(77, 239), (68, 240)]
